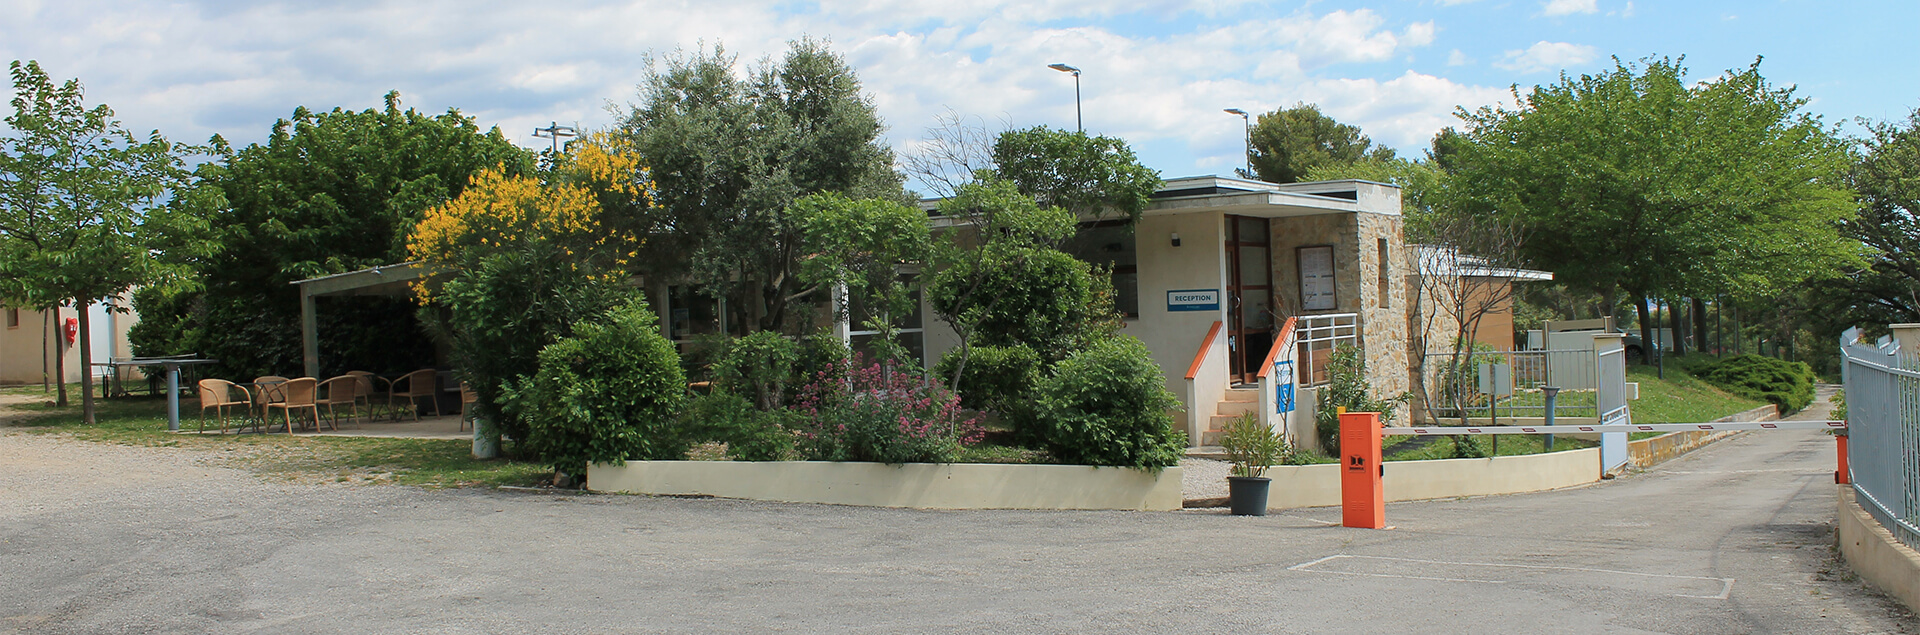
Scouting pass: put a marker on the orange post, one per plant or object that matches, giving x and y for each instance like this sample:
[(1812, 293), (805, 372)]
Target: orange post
[(1363, 503), (1843, 475)]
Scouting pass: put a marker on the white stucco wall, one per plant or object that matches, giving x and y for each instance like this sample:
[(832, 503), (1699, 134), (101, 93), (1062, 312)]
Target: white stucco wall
[(1198, 263)]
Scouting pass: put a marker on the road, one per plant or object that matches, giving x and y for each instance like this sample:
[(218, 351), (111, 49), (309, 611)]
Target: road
[(1735, 538)]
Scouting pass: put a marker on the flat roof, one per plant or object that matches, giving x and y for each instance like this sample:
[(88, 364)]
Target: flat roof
[(381, 280)]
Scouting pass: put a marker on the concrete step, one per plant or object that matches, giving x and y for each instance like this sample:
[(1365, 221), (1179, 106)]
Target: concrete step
[(1236, 408), (1214, 452), (1242, 394), (1210, 438), (1219, 422)]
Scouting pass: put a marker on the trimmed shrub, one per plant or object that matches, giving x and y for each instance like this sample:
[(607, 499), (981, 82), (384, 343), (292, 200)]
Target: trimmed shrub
[(758, 367), (995, 376), (1043, 299), (1788, 385), (1108, 405), (606, 394), (751, 434), (885, 413)]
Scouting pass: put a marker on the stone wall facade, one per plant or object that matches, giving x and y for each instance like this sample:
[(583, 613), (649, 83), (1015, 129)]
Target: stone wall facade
[(1370, 274)]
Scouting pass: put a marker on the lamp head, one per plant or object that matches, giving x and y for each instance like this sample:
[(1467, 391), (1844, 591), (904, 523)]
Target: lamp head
[(1064, 68), (1236, 111)]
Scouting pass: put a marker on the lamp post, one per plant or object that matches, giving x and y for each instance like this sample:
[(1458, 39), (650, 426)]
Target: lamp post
[(1077, 123), (1246, 137)]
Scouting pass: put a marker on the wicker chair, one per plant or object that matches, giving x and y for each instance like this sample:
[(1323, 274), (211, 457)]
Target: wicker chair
[(419, 384), (340, 391), (297, 394), (374, 390), (266, 390), (218, 395), (467, 398)]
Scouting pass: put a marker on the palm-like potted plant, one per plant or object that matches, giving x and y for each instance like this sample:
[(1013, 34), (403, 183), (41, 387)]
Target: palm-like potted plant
[(1252, 447)]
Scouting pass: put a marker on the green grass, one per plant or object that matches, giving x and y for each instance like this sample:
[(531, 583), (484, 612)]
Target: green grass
[(1510, 445), (987, 453), (432, 463), (1682, 398)]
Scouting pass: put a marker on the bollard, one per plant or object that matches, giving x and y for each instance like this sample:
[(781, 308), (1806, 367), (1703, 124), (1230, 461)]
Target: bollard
[(1362, 501), (1552, 393), (1843, 475)]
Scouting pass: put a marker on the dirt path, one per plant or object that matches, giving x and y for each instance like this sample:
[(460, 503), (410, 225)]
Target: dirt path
[(9, 414)]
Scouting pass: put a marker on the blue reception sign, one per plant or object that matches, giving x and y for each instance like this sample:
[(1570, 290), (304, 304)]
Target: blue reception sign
[(1282, 386), (1194, 300)]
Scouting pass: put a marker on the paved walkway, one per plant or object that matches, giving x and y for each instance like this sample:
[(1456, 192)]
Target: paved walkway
[(1735, 538)]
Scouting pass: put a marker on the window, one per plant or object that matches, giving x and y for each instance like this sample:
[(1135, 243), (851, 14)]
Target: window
[(691, 314), (909, 329), (13, 318), (1110, 244), (1386, 275)]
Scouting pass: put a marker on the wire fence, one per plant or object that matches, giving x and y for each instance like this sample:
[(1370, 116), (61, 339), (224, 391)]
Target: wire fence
[(1451, 384), (1883, 429)]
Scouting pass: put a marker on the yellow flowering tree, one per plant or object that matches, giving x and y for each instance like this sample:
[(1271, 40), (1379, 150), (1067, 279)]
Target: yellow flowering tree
[(528, 258)]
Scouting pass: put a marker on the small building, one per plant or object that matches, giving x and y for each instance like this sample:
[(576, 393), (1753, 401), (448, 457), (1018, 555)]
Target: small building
[(30, 340), (1218, 269), (1239, 288)]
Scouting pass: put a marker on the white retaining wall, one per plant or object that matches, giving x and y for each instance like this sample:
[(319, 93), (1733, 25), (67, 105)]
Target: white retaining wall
[(919, 485)]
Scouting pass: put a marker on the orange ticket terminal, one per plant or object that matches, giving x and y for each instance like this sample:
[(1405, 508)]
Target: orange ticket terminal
[(1363, 503)]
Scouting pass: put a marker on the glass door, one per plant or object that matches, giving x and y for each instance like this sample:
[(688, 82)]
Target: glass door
[(1249, 296)]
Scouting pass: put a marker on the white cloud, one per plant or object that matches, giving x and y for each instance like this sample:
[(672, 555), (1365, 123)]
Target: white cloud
[(1457, 58), (1547, 56), (1568, 7), (192, 70)]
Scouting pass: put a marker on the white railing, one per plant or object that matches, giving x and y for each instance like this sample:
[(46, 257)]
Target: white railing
[(1316, 338)]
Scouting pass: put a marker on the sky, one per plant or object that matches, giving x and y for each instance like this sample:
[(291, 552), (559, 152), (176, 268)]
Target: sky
[(1156, 73)]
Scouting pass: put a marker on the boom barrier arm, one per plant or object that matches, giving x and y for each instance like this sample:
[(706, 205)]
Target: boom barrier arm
[(1620, 427)]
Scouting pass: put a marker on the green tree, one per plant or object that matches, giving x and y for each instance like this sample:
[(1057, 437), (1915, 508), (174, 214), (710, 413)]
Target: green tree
[(858, 246), (1288, 143), (328, 192), (729, 154), (1092, 176), (1887, 179), (78, 221), (1640, 180), (995, 228), (528, 259)]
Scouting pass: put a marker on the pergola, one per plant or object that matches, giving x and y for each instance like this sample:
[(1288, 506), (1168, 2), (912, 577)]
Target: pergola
[(388, 280)]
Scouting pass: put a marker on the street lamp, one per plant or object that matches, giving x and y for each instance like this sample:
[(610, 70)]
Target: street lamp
[(1246, 137), (1077, 124)]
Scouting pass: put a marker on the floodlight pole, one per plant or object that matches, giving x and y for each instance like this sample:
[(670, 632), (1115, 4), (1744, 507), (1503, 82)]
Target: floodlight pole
[(555, 131)]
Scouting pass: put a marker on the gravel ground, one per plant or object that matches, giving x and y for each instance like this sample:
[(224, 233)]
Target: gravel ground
[(1203, 478)]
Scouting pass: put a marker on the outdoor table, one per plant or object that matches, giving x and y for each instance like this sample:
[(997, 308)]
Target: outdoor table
[(256, 395), (172, 364)]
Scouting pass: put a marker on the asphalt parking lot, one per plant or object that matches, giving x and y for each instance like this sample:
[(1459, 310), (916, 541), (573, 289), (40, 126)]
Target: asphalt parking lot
[(98, 538)]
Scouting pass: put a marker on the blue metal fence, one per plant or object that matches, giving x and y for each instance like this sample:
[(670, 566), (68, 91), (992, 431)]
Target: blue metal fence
[(1883, 423)]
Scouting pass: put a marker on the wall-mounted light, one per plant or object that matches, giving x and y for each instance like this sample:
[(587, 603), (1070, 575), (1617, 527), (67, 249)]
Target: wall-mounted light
[(1176, 239)]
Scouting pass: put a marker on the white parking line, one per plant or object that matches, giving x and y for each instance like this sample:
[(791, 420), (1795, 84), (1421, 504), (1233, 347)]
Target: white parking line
[(1726, 584)]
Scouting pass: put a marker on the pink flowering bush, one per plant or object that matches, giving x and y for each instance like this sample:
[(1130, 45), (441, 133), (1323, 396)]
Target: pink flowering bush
[(885, 413)]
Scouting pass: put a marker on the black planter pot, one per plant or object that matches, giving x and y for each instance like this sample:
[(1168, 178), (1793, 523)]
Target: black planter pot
[(1247, 495)]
